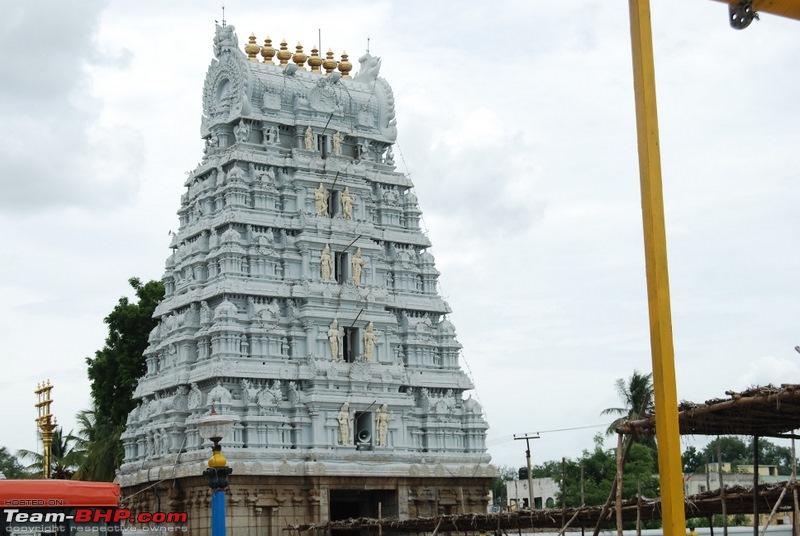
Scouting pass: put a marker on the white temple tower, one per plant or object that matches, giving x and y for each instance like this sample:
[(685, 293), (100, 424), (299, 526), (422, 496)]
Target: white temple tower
[(301, 300)]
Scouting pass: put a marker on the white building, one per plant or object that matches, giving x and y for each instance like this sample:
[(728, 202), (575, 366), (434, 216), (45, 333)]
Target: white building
[(545, 491), (742, 476)]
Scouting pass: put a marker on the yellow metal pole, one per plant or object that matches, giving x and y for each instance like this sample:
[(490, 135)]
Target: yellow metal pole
[(655, 247)]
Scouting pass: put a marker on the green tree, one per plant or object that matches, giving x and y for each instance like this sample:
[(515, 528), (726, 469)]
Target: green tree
[(551, 469), (100, 443), (10, 466), (113, 374), (498, 486), (599, 471), (693, 460), (771, 454), (637, 398), (733, 449), (66, 455), (633, 394)]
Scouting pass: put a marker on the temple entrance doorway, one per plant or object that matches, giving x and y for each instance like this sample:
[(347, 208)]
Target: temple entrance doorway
[(351, 503)]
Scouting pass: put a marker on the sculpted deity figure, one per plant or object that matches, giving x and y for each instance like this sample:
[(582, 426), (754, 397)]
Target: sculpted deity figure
[(321, 201), (337, 143), (347, 204), (205, 313), (309, 139), (382, 421), (249, 390), (195, 397), (326, 263), (344, 424), (369, 343), (364, 147), (333, 339), (357, 264), (219, 395), (242, 131), (389, 158), (212, 142), (235, 174)]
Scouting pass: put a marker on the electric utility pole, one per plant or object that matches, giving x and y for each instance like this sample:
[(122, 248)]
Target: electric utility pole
[(527, 439)]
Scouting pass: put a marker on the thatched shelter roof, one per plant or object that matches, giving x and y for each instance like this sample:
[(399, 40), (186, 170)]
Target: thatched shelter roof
[(766, 411), (738, 500)]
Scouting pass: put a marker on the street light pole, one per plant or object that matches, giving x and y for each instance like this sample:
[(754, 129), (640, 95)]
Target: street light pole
[(527, 439), (215, 427)]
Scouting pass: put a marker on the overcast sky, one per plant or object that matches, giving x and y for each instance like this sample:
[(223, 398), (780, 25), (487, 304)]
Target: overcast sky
[(516, 124)]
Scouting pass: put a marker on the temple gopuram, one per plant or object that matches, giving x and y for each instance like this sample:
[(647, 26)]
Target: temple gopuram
[(302, 302)]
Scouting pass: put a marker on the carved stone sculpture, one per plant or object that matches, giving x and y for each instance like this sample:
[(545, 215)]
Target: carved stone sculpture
[(326, 263), (337, 143), (242, 131), (370, 67), (225, 40), (344, 424), (195, 396), (333, 339), (347, 204), (369, 343), (382, 422), (320, 200), (357, 264), (309, 139)]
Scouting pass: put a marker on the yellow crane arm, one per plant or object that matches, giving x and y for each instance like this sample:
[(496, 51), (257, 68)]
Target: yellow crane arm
[(742, 12)]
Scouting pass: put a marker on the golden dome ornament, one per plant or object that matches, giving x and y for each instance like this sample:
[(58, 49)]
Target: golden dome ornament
[(345, 66), (299, 57), (268, 51), (284, 54), (252, 48), (329, 64), (315, 61)]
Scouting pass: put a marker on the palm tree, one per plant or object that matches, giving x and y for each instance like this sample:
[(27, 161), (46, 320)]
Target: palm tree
[(66, 455), (633, 393), (102, 448)]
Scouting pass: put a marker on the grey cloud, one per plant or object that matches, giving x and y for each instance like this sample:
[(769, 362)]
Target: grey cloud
[(55, 155)]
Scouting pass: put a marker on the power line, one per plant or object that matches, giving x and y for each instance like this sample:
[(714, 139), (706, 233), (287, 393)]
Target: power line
[(507, 438)]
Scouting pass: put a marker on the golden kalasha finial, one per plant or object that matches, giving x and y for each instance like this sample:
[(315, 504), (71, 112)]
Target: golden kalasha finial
[(252, 48), (268, 51), (299, 57), (315, 60), (345, 66), (284, 55), (329, 63)]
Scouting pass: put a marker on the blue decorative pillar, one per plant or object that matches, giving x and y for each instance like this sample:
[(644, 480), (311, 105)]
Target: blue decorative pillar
[(217, 474)]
